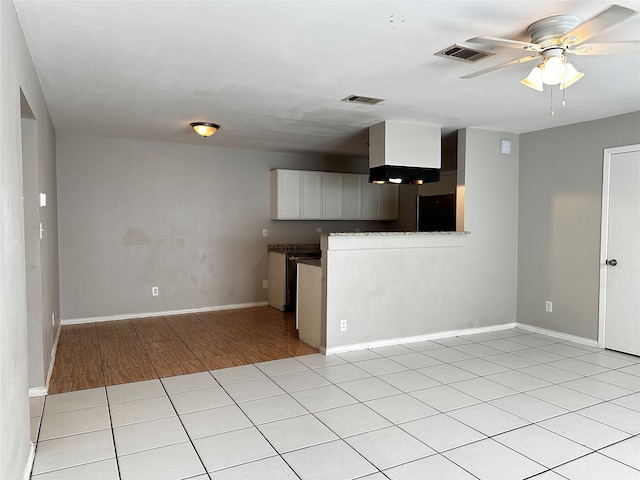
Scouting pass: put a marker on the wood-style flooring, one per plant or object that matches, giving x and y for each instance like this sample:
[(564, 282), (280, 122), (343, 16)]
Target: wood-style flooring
[(109, 353)]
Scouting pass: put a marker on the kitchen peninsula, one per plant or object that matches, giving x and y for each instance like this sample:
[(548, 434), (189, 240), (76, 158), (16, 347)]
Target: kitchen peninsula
[(399, 287), (387, 286)]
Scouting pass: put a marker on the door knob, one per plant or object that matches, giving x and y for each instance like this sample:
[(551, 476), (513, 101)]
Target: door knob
[(613, 262)]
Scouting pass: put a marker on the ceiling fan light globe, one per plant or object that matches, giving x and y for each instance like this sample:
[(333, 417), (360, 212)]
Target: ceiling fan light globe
[(554, 71), (534, 79), (571, 77)]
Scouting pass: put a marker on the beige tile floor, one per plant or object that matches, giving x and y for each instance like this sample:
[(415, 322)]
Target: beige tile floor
[(507, 404)]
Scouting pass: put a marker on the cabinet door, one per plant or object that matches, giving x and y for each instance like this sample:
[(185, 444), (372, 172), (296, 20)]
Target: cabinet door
[(389, 202), (332, 198), (277, 280), (352, 196), (380, 202), (288, 197), (311, 195), (371, 201)]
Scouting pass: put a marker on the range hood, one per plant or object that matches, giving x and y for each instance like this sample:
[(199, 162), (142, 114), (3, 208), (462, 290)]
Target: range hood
[(404, 153)]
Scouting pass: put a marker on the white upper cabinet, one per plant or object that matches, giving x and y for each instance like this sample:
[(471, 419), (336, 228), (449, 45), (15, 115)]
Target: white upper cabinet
[(332, 199), (285, 194), (296, 195), (352, 196), (309, 195), (380, 202), (371, 195), (389, 202)]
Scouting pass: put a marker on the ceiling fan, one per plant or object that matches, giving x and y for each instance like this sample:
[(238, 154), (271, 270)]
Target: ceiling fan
[(552, 38)]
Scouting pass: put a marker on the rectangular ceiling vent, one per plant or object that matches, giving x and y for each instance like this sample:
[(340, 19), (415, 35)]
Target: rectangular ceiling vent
[(362, 100), (464, 54)]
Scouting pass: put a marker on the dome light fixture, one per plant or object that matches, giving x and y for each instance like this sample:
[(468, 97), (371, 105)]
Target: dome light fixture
[(205, 129), (553, 70)]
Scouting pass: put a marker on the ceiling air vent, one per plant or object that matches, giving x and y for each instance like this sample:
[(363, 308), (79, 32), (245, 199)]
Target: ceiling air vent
[(464, 54), (362, 100)]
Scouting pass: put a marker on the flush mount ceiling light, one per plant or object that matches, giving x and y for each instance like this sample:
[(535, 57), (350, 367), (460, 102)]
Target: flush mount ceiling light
[(205, 129)]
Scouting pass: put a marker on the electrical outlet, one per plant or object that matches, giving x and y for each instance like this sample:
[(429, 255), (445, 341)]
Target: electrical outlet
[(154, 291), (265, 232), (319, 230), (265, 283), (343, 325), (548, 306)]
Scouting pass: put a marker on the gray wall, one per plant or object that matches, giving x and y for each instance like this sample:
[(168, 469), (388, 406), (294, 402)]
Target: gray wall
[(17, 329), (559, 221), (188, 219), (397, 292)]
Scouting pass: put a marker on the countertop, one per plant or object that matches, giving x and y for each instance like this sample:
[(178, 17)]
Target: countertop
[(294, 247), (389, 234), (314, 262)]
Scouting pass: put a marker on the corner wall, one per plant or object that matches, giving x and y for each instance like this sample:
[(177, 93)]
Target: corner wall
[(17, 73), (559, 221), (187, 219)]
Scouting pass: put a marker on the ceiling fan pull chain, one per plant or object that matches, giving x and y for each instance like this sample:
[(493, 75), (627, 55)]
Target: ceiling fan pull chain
[(563, 103), (551, 112)]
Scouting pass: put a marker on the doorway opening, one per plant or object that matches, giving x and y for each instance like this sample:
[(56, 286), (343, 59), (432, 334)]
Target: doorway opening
[(32, 235)]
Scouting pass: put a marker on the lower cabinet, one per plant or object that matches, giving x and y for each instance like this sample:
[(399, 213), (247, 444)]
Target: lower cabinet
[(308, 305), (277, 280)]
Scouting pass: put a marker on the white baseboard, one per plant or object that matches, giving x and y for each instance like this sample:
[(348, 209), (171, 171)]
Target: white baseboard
[(41, 391), (457, 333), (76, 321), (26, 475), (564, 336), (38, 392), (414, 339), (54, 350)]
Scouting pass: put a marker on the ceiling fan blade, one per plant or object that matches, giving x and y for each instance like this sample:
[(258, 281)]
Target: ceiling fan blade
[(611, 48), (502, 65), (505, 42), (605, 19)]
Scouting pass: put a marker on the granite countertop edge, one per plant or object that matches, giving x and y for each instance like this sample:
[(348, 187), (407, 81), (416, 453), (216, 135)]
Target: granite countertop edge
[(389, 234), (293, 247), (312, 262)]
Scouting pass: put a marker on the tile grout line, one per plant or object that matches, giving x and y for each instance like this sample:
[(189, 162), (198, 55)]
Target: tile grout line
[(516, 428), (113, 433), (184, 428), (281, 455)]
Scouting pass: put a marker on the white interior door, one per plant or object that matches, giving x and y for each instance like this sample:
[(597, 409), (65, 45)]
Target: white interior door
[(620, 278)]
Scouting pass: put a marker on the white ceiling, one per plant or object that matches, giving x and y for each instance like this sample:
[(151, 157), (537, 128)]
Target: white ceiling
[(272, 73)]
